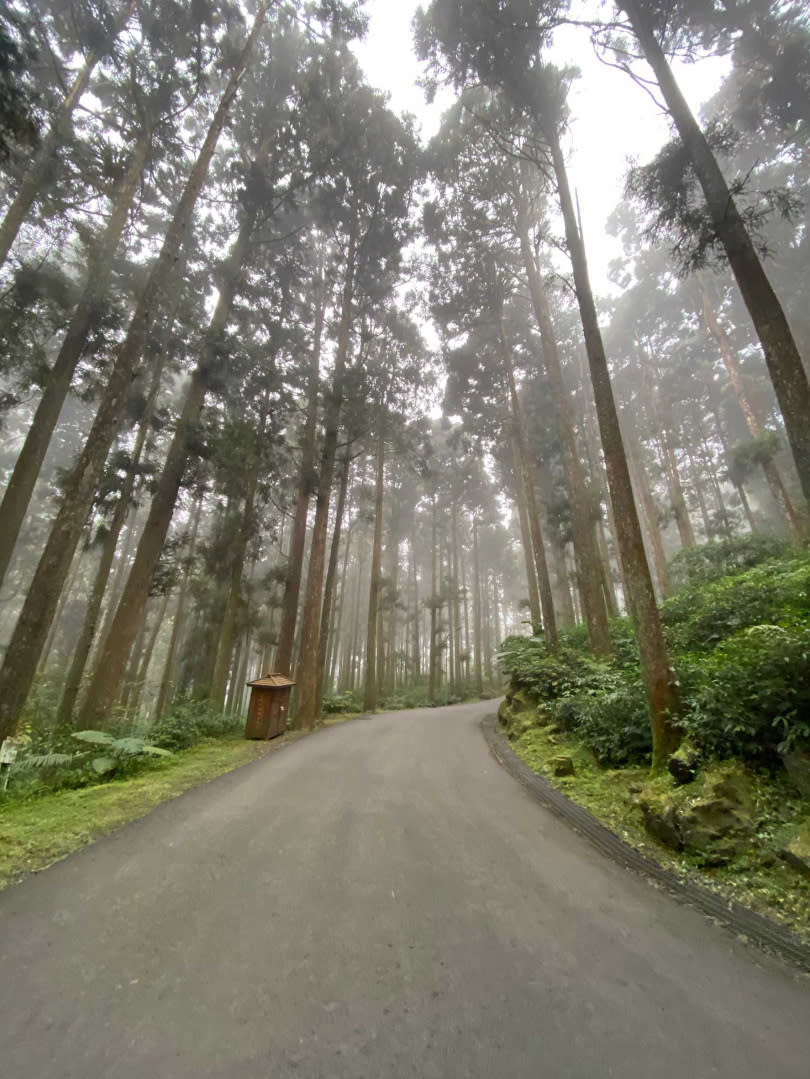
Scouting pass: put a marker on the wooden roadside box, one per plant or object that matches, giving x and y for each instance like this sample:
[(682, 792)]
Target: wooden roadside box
[(269, 704)]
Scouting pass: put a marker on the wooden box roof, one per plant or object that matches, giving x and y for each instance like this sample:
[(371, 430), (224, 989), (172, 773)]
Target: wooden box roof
[(272, 681)]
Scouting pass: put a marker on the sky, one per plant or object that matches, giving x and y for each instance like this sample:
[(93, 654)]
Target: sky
[(612, 118)]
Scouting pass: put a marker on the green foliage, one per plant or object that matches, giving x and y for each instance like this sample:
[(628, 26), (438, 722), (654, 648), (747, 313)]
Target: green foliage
[(339, 703), (56, 771), (775, 592), (190, 721), (710, 561), (754, 700), (614, 723), (547, 675), (739, 634), (602, 703)]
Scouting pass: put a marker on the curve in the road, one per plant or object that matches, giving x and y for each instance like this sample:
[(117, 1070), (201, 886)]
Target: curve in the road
[(380, 900)]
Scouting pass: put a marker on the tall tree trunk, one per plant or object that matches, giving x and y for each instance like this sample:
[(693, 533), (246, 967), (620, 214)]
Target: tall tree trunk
[(143, 669), (331, 576), (782, 357), (649, 508), (84, 643), (17, 496), (177, 625), (661, 688), (112, 657), (219, 682), (370, 691), (295, 562), (535, 612), (697, 487), (532, 511), (434, 611), (608, 588), (456, 598), (556, 546), (735, 479), (465, 608), (754, 423), (586, 553), (416, 652), (20, 663), (134, 659), (339, 611), (36, 175), (308, 687), (664, 440), (477, 626)]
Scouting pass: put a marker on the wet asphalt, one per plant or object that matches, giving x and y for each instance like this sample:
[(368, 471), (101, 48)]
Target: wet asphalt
[(378, 900)]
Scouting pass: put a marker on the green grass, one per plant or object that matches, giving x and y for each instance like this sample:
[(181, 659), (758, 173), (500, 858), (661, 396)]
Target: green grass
[(761, 882), (41, 830)]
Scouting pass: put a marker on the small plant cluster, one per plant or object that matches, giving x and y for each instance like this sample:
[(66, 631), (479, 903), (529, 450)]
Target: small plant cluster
[(61, 758), (101, 757), (190, 721), (739, 637)]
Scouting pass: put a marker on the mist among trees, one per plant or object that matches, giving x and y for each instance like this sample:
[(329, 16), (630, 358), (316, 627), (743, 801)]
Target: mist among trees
[(285, 387)]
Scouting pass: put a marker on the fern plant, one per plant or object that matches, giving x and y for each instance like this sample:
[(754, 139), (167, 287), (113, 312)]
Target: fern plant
[(79, 768)]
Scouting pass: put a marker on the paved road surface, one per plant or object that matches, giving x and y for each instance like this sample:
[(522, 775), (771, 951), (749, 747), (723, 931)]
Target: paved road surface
[(380, 900)]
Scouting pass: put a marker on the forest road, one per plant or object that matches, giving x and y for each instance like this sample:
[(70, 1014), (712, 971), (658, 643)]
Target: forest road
[(380, 900)]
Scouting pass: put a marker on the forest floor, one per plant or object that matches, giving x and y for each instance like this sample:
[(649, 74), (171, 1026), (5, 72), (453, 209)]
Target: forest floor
[(766, 885), (38, 831)]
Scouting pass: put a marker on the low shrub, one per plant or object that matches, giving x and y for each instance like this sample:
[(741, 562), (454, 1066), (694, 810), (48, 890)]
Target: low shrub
[(342, 702), (773, 593), (191, 720), (724, 558), (740, 645), (527, 662), (614, 724), (754, 701), (104, 757)]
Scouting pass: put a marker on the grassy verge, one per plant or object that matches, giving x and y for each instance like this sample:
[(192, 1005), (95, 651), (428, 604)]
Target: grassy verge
[(39, 831), (760, 881)]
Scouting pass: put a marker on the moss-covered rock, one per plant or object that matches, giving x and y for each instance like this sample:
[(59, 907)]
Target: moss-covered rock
[(684, 763), (795, 847), (712, 819), (521, 700), (562, 766), (797, 766)]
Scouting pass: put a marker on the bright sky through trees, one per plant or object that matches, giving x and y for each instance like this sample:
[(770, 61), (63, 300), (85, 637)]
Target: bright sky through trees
[(613, 118)]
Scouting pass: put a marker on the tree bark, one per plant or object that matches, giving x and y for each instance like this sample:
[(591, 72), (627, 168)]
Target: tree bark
[(17, 495), (36, 175), (19, 666), (177, 625), (649, 508), (782, 356), (477, 627), (370, 691), (586, 553), (526, 540), (295, 562), (87, 635), (532, 512), (662, 692), (112, 657), (434, 610), (143, 669), (753, 421), (331, 577), (307, 692), (219, 681)]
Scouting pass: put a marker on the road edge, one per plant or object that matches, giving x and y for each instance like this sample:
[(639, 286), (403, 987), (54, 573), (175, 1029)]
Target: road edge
[(746, 924)]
